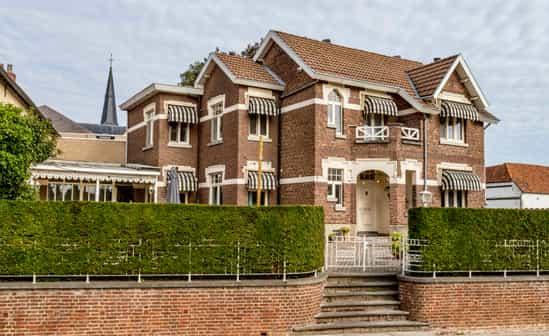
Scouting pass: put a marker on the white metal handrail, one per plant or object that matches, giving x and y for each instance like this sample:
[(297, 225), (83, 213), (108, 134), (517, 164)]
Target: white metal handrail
[(409, 133), (361, 254), (371, 133)]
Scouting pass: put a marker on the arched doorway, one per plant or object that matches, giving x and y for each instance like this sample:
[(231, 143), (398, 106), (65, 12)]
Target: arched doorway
[(372, 203)]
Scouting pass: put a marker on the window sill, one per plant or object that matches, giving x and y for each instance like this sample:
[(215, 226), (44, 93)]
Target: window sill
[(218, 142), (340, 136), (256, 138), (453, 143), (146, 148), (331, 199), (179, 145), (339, 208)]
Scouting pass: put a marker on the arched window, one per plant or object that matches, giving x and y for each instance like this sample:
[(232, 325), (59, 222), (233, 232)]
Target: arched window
[(335, 111)]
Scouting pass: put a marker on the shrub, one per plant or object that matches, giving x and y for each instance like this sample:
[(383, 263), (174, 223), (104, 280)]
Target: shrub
[(481, 239), (119, 238)]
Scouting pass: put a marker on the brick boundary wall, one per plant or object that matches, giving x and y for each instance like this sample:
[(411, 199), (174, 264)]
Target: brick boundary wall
[(250, 307), (477, 303)]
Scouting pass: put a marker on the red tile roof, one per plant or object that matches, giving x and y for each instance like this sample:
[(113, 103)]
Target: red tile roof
[(332, 59), (245, 68), (427, 78), (529, 178)]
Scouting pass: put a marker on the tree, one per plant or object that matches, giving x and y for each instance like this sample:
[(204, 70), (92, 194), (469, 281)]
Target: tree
[(189, 76), (251, 49), (25, 139)]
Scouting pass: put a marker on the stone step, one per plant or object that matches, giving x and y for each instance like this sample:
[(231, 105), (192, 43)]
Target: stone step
[(343, 278), (339, 328), (360, 286), (359, 296), (359, 306), (356, 316)]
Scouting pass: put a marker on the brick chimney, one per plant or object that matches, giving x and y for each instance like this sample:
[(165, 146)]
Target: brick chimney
[(10, 72)]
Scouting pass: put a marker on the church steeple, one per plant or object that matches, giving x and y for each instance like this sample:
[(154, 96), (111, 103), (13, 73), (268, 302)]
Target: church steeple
[(109, 115)]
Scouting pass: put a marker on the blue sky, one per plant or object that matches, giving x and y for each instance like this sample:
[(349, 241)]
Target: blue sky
[(60, 48)]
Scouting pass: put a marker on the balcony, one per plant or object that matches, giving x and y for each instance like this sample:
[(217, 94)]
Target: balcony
[(380, 134)]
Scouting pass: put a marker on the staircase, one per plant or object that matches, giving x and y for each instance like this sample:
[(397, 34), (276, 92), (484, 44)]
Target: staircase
[(360, 303)]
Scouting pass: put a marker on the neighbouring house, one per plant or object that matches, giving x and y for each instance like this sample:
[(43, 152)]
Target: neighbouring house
[(90, 164), (11, 92), (517, 185), (364, 135)]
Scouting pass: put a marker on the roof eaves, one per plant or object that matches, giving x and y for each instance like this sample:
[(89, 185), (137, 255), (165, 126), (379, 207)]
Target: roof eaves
[(157, 87)]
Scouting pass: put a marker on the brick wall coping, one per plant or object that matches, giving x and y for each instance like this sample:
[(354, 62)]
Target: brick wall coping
[(473, 279), (162, 284)]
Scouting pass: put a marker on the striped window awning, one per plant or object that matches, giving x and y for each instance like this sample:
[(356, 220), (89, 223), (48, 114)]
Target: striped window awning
[(182, 114), (187, 181), (458, 110), (460, 180), (268, 180), (265, 106), (378, 105)]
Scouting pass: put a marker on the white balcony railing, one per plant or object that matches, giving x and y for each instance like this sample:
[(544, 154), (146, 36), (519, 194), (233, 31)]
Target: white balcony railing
[(371, 133), (408, 133)]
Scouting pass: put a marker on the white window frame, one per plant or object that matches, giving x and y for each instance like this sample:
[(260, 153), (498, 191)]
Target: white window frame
[(265, 196), (184, 197), (178, 126), (332, 107), (335, 183), (216, 121), (450, 198), (447, 123), (216, 184), (149, 116), (62, 185), (255, 136)]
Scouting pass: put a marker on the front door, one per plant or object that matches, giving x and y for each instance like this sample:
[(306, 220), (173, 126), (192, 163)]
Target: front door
[(366, 206), (372, 203)]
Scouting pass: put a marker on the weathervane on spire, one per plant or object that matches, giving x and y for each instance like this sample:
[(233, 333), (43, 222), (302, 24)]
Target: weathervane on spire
[(110, 60)]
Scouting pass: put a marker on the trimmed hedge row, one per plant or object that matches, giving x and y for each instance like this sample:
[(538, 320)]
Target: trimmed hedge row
[(481, 239), (64, 238)]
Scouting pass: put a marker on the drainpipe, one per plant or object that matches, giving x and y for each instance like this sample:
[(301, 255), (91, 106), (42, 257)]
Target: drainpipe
[(426, 196), (278, 151), (425, 152), (197, 146)]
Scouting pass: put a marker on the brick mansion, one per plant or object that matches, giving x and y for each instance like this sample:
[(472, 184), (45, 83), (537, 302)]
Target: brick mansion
[(366, 136)]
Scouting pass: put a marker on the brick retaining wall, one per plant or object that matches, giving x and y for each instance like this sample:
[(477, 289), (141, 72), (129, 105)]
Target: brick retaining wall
[(477, 303), (158, 308)]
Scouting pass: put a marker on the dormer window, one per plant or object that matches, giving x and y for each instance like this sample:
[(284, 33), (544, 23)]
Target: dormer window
[(335, 112)]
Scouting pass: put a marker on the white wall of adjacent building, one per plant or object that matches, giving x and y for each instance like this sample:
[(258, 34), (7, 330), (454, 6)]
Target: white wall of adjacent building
[(503, 195), (508, 195), (535, 201)]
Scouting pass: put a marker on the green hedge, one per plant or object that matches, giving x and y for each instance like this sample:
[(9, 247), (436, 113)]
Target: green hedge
[(481, 239), (64, 238)]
